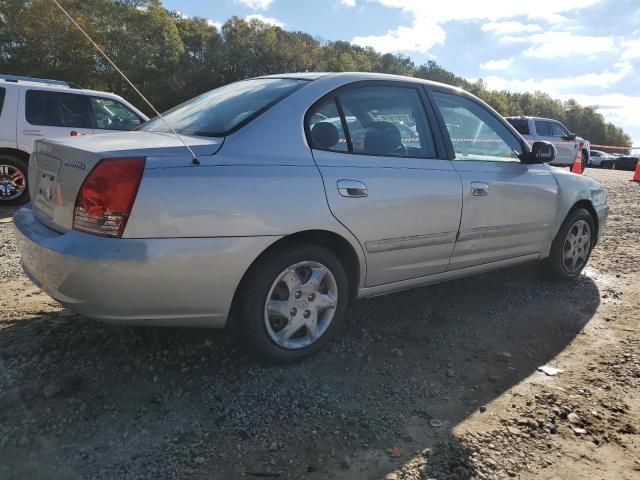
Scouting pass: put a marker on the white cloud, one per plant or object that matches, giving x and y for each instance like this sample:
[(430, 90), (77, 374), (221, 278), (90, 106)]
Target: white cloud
[(348, 3), (262, 18), (502, 28), (218, 25), (426, 29), (502, 64), (561, 85), (566, 44), (631, 49), (255, 4)]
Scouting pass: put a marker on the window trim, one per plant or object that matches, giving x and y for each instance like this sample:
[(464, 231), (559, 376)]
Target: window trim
[(3, 96), (84, 99), (430, 89), (94, 121), (439, 150)]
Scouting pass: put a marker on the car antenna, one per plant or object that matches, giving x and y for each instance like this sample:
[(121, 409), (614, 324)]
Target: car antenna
[(194, 158)]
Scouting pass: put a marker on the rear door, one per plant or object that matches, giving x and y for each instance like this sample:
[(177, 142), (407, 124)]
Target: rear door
[(51, 113), (386, 177), (509, 206)]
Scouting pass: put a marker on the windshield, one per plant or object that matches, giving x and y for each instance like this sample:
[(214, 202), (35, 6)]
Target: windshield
[(218, 112)]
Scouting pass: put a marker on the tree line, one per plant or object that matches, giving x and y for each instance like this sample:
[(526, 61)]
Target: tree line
[(171, 58)]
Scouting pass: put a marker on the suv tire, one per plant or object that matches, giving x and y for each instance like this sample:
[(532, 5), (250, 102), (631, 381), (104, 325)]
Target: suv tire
[(13, 180)]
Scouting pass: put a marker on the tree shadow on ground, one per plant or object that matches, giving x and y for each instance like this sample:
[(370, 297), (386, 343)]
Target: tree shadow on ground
[(173, 403)]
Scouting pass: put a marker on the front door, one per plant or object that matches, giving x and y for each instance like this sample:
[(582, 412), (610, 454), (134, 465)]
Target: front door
[(509, 206), (51, 114), (386, 179)]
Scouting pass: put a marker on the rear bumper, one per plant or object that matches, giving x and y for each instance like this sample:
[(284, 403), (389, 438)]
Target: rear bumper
[(160, 281)]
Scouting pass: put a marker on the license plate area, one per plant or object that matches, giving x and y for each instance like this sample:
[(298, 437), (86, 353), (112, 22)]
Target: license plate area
[(45, 175)]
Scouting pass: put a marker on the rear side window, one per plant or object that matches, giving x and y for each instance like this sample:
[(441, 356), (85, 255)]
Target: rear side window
[(56, 109), (520, 124), (110, 114), (223, 110), (542, 128), (2, 93)]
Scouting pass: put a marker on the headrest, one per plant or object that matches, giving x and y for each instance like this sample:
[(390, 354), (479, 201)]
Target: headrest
[(324, 135), (382, 138)]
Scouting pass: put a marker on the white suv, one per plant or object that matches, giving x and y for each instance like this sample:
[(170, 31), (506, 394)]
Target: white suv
[(32, 108), (547, 129)]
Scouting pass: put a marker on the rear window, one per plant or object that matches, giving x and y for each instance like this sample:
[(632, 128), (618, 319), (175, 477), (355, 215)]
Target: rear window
[(2, 92), (56, 109), (520, 124), (220, 111)]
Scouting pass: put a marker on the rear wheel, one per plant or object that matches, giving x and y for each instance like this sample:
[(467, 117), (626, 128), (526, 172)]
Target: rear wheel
[(572, 246), (584, 161), (292, 302), (13, 180)]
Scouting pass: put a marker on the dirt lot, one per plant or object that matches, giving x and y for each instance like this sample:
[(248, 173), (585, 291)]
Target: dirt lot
[(439, 382)]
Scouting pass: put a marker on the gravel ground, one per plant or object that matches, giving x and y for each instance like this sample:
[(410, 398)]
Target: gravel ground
[(435, 383)]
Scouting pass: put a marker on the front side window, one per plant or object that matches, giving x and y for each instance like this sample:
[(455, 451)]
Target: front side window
[(542, 128), (475, 133), (388, 121), (558, 130), (324, 126), (219, 111), (2, 94), (110, 114), (56, 109)]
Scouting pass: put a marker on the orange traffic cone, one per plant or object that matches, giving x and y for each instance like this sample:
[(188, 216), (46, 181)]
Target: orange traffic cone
[(577, 163), (636, 176)]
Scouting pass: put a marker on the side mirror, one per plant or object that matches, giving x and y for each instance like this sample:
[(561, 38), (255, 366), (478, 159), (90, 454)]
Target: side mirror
[(541, 152), (569, 136)]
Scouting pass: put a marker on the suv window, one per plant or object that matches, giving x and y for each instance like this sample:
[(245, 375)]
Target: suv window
[(557, 129), (389, 121), (324, 126), (110, 114), (220, 111), (520, 124), (542, 128), (476, 134), (56, 109), (2, 93)]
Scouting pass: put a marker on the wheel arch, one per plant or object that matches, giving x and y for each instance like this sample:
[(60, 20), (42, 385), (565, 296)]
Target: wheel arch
[(22, 155), (335, 242)]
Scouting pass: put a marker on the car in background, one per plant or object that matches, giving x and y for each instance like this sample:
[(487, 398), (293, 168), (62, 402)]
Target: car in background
[(290, 209), (567, 144), (598, 158), (34, 108), (625, 162)]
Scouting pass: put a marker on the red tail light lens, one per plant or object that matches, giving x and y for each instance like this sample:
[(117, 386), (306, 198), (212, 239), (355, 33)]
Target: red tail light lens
[(106, 196)]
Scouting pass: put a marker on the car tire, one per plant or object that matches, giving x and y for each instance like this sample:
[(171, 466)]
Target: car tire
[(13, 180), (584, 161), (274, 313), (571, 249)]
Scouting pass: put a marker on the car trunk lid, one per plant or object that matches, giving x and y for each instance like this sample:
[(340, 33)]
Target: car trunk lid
[(58, 167)]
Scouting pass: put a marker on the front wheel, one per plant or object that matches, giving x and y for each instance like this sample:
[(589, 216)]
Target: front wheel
[(292, 302), (584, 161), (572, 246), (13, 180)]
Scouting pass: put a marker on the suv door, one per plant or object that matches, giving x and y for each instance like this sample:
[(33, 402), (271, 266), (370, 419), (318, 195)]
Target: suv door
[(567, 149), (386, 177), (50, 113), (110, 115), (509, 206)]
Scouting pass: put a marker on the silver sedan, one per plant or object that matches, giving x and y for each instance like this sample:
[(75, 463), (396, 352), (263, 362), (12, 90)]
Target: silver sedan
[(304, 192)]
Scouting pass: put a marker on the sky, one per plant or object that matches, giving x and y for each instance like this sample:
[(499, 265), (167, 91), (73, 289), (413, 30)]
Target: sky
[(583, 49)]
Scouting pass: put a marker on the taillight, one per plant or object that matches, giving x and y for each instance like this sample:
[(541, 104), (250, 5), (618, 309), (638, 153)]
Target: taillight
[(106, 196)]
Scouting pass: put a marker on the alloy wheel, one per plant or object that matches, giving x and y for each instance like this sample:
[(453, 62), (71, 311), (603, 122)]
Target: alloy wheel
[(577, 245), (12, 182)]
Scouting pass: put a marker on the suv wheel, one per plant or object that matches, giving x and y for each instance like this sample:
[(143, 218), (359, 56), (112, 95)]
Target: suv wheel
[(572, 246), (13, 180), (293, 302), (584, 161)]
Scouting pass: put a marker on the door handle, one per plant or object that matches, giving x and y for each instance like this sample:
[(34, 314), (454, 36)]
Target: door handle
[(35, 133), (352, 188), (479, 189)]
